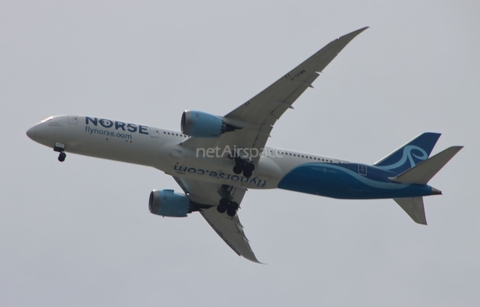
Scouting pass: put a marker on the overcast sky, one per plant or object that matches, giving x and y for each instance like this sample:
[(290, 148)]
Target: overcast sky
[(79, 233)]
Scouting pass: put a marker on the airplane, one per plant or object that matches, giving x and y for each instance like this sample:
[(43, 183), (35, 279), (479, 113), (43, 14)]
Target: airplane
[(215, 159)]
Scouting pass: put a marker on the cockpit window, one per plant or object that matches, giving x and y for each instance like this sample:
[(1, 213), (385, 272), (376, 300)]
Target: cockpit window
[(47, 119)]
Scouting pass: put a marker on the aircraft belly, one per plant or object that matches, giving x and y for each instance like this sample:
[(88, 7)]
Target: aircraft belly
[(218, 173)]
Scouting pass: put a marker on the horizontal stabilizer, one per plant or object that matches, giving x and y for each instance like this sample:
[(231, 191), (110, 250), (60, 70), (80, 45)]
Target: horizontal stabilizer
[(424, 171), (414, 207)]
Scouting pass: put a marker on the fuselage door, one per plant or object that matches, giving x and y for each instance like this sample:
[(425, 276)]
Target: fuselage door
[(362, 169), (154, 132)]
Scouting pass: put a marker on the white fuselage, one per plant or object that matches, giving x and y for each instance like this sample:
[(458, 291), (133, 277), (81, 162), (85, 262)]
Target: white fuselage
[(161, 149)]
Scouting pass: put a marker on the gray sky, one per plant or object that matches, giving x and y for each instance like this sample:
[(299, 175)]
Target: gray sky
[(80, 233)]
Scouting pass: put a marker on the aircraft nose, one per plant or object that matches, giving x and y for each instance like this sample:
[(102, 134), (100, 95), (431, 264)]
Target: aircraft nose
[(32, 132)]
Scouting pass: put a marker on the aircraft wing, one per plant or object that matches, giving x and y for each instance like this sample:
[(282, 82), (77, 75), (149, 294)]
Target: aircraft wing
[(208, 195), (257, 116)]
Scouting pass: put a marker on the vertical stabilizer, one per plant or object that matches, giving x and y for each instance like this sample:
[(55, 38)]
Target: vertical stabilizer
[(414, 207), (410, 154)]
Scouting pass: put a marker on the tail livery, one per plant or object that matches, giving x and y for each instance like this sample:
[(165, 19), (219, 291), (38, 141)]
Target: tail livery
[(413, 166), (410, 154)]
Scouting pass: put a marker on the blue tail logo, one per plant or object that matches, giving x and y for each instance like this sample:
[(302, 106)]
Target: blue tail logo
[(410, 154)]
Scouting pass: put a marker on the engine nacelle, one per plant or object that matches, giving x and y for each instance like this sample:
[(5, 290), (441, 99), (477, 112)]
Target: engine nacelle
[(203, 125), (168, 203)]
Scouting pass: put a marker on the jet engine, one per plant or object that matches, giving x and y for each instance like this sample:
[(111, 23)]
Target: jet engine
[(203, 125), (168, 203)]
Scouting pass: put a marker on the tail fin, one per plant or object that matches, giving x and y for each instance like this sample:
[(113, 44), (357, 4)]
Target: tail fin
[(423, 172), (410, 154), (414, 207)]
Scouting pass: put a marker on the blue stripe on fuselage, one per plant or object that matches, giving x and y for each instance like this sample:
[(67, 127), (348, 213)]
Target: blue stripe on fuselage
[(349, 181)]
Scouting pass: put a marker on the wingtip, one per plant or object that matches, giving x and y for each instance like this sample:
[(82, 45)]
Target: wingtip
[(352, 34), (256, 261), (362, 29), (252, 258)]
